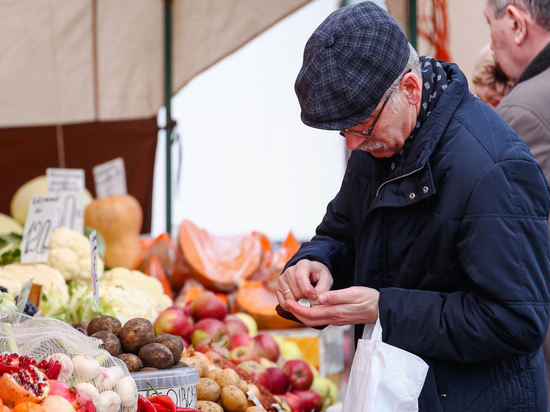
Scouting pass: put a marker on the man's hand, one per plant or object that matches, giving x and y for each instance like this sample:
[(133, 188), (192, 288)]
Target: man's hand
[(354, 305), (305, 279), (350, 306)]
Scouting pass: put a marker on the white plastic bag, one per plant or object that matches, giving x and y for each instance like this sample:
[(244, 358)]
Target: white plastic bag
[(383, 378)]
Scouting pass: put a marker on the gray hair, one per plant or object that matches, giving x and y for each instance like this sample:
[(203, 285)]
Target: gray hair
[(538, 9), (412, 65)]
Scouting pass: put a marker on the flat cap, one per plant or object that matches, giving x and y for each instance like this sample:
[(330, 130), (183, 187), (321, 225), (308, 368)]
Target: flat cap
[(350, 60)]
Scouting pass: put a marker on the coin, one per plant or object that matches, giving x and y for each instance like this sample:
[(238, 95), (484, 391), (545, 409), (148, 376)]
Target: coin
[(308, 302), (304, 302)]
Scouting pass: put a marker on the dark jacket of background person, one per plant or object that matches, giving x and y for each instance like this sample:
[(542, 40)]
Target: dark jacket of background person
[(455, 238)]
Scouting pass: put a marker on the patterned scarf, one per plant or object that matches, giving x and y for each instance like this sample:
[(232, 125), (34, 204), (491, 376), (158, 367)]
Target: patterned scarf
[(434, 84)]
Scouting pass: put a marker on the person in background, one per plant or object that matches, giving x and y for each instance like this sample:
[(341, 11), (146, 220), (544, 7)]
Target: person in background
[(520, 38), (439, 229), (490, 82)]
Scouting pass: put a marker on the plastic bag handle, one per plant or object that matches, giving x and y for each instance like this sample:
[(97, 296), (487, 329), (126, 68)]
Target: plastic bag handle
[(373, 331)]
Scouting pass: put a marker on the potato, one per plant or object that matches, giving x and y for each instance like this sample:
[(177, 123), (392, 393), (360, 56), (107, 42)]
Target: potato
[(135, 333), (233, 399), (208, 406), (180, 364), (133, 362), (208, 390), (198, 363), (213, 372), (111, 343), (104, 323), (156, 355), (227, 377), (243, 386), (172, 342), (254, 409)]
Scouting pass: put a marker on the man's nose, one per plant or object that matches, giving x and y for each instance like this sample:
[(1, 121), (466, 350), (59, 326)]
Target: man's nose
[(353, 141)]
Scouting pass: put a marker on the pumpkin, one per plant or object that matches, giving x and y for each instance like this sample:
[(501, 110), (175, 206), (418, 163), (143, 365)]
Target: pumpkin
[(289, 247), (254, 298), (168, 259), (220, 263), (118, 218)]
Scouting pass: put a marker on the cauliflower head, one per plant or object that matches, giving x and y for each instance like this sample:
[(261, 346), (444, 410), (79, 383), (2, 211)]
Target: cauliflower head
[(135, 279), (70, 254), (14, 275), (128, 302)]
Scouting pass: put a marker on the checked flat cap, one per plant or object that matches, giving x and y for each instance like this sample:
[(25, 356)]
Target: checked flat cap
[(350, 60)]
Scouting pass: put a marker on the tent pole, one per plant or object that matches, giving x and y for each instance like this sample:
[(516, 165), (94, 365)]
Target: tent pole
[(412, 14), (168, 96)]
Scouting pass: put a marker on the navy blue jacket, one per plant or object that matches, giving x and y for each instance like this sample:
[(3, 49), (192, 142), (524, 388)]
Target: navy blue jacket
[(455, 238)]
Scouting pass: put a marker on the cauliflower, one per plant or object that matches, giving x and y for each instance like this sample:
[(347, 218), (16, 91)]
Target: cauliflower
[(128, 302), (70, 254), (132, 294), (14, 275), (139, 280)]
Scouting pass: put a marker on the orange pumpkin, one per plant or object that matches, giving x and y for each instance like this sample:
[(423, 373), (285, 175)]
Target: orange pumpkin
[(220, 263), (254, 298)]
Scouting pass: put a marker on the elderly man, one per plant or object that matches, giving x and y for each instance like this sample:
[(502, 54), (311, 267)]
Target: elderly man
[(440, 226), (520, 38)]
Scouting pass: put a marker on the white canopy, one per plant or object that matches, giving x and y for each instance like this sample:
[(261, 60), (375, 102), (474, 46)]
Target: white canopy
[(69, 61)]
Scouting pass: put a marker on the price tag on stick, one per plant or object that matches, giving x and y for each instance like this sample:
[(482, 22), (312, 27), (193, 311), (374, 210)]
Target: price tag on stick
[(24, 295), (95, 281), (42, 218)]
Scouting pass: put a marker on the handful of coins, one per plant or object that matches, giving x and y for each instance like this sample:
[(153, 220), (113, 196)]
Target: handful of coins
[(308, 302)]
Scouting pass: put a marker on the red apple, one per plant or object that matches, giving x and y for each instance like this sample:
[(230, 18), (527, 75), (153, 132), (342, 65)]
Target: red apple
[(175, 322), (256, 370), (311, 400), (209, 328), (242, 354), (240, 339), (208, 305), (278, 381), (235, 324), (294, 401), (299, 374), (266, 346)]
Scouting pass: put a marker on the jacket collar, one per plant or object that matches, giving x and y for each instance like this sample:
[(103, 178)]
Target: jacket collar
[(539, 64), (417, 154)]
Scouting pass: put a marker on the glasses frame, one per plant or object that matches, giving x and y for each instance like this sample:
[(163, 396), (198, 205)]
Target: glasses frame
[(369, 133)]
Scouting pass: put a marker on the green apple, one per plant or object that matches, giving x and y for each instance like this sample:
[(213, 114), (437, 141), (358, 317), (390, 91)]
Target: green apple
[(249, 321)]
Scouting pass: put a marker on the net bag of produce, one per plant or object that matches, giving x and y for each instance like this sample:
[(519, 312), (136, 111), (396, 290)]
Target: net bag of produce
[(84, 365)]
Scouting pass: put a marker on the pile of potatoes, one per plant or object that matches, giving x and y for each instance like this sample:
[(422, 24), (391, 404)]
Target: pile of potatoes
[(136, 344), (222, 390)]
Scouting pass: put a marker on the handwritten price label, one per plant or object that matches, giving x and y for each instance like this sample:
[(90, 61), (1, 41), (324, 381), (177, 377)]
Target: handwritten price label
[(42, 218), (95, 280), (68, 185), (110, 178)]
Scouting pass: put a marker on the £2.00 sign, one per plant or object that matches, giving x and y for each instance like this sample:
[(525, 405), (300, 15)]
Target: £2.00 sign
[(43, 217)]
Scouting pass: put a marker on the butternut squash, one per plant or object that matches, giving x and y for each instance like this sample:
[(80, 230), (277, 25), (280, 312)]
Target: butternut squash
[(220, 263), (119, 219)]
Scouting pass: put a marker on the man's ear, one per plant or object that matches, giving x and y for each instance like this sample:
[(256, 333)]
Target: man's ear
[(413, 88), (517, 19)]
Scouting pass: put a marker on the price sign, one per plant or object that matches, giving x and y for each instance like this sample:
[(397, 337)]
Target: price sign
[(110, 178), (42, 218), (95, 280), (24, 295), (69, 185)]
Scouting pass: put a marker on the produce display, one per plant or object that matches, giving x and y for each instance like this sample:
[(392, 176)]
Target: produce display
[(201, 301)]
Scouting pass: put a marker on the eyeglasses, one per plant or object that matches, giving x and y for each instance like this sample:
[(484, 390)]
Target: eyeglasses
[(369, 133)]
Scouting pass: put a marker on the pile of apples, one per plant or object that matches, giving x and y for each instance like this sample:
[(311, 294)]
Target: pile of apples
[(205, 324)]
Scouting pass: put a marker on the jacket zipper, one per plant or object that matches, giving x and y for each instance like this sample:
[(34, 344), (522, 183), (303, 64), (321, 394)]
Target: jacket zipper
[(397, 178)]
